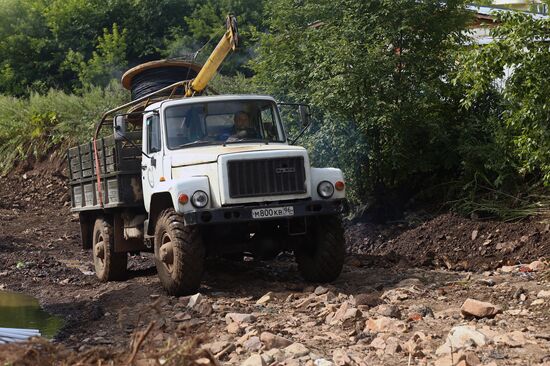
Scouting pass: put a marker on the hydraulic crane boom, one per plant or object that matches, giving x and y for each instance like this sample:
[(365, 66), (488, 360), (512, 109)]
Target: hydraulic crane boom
[(227, 44)]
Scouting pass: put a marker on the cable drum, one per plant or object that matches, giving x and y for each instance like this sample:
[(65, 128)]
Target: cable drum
[(147, 78)]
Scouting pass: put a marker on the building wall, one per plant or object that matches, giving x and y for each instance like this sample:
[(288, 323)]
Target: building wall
[(526, 5)]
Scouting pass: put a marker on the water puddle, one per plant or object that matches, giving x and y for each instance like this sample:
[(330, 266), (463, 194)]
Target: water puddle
[(23, 311)]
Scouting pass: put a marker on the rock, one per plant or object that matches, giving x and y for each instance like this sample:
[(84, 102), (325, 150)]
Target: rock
[(271, 340), (462, 337), (203, 361), (518, 292), (267, 358), (446, 360), (468, 359), (448, 313), (393, 346), (307, 302), (277, 354), (487, 282), (378, 343), (507, 269), (252, 344), (323, 362), (320, 290), (265, 299), (474, 234), (385, 324), (240, 318), (370, 300), (327, 298), (513, 339), (195, 300), (296, 350), (216, 347), (395, 295), (233, 328), (537, 266), (254, 360), (479, 309), (413, 346), (543, 294), (423, 310), (390, 311), (538, 302), (340, 357), (343, 314), (407, 282)]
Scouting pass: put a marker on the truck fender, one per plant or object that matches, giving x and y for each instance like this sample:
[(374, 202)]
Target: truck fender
[(329, 174), (166, 195)]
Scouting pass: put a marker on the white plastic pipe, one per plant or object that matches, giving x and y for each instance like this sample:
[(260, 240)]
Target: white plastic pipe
[(20, 330), (14, 336)]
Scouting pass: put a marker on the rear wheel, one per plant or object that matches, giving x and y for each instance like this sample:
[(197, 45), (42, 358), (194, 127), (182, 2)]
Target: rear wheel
[(320, 255), (179, 254), (109, 265)]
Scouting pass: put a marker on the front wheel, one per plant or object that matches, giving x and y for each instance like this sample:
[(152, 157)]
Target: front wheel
[(108, 265), (320, 255), (179, 254)]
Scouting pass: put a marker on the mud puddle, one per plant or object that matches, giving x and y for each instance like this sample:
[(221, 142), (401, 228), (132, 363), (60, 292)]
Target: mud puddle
[(23, 311)]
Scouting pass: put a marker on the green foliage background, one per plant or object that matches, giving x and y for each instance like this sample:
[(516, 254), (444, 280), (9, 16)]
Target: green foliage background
[(403, 101)]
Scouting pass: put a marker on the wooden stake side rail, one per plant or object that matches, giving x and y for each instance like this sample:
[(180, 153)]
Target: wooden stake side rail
[(120, 170)]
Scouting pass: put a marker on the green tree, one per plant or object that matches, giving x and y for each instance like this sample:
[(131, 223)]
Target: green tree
[(107, 62), (206, 23), (516, 65), (26, 48), (382, 66)]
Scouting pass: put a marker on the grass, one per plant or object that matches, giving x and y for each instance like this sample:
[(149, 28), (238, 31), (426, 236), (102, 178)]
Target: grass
[(35, 126)]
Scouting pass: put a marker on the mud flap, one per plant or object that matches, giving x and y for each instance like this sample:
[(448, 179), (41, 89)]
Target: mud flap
[(86, 229), (122, 244)]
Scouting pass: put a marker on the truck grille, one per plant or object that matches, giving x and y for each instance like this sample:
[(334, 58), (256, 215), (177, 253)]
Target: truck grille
[(266, 177)]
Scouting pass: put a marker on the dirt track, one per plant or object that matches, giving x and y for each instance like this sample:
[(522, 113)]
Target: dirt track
[(40, 255)]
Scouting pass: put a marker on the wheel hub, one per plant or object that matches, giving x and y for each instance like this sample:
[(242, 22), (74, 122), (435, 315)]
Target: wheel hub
[(167, 253), (99, 250)]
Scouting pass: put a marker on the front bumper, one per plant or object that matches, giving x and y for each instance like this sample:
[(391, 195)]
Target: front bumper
[(244, 213)]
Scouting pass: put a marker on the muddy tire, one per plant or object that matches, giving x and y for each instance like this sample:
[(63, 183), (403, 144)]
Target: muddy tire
[(179, 254), (320, 255), (109, 266)]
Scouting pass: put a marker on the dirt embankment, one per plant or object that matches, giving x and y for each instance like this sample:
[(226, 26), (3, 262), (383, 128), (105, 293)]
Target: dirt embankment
[(397, 301), (454, 242)]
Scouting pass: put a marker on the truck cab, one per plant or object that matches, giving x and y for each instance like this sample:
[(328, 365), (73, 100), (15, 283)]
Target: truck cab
[(217, 171)]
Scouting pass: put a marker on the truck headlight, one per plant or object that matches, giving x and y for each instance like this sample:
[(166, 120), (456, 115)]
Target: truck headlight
[(199, 199), (325, 189)]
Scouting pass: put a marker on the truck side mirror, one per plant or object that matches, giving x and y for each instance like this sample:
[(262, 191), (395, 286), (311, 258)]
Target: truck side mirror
[(119, 126), (305, 114)]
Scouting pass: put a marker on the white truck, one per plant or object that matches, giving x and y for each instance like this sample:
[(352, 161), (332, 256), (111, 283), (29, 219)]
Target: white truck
[(189, 176)]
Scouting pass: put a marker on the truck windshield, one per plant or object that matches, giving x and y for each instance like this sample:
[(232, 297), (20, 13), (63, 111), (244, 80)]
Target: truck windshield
[(213, 123)]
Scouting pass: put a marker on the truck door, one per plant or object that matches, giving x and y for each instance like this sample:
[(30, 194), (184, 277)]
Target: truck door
[(151, 167)]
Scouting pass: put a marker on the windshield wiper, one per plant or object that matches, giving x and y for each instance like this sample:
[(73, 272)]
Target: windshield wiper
[(245, 140), (199, 143)]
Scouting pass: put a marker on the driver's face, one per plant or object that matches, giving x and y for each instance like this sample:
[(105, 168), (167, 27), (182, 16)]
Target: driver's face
[(242, 121)]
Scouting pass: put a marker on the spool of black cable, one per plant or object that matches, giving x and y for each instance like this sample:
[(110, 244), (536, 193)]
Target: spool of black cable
[(149, 77)]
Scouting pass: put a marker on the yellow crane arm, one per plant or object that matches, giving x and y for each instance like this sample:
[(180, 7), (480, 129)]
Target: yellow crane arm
[(227, 44)]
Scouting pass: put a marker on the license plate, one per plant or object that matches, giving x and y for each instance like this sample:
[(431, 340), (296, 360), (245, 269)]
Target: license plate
[(262, 213)]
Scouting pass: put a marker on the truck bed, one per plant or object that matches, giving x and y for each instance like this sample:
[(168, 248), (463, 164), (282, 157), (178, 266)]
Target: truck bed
[(120, 171)]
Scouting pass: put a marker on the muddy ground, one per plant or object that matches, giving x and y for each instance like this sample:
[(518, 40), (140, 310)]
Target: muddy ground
[(396, 302)]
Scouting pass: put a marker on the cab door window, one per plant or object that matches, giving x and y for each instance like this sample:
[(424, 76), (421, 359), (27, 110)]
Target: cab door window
[(153, 134)]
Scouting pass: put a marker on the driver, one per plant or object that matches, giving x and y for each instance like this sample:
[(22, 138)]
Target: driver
[(243, 127)]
